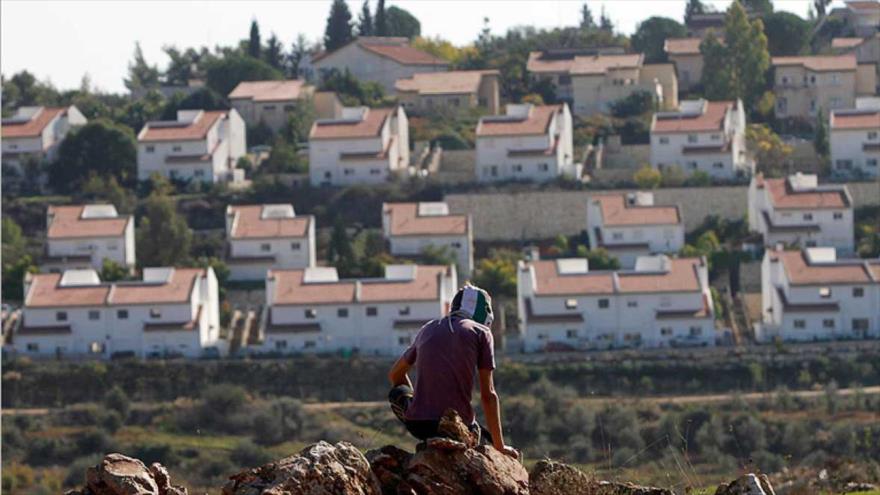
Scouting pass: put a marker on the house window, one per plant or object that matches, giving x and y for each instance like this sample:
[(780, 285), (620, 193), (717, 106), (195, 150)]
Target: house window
[(872, 135), (632, 304), (543, 167), (571, 304), (860, 324), (342, 312), (858, 292), (808, 216), (571, 334), (155, 313), (404, 340), (838, 215), (375, 171), (784, 79), (348, 171), (280, 344), (692, 165), (716, 137), (111, 246), (811, 243), (666, 331), (311, 313), (871, 162), (828, 323), (603, 303), (617, 236), (454, 102), (372, 311), (61, 316), (782, 104), (150, 148), (692, 138), (94, 315), (265, 247), (801, 324), (309, 344), (564, 80), (456, 245), (663, 140), (199, 173), (825, 292), (404, 311), (269, 108), (517, 168), (176, 148), (121, 314), (294, 246), (32, 347), (289, 108), (695, 331), (96, 348), (718, 165), (835, 78)]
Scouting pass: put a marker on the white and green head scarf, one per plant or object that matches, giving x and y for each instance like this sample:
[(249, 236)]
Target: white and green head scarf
[(473, 303)]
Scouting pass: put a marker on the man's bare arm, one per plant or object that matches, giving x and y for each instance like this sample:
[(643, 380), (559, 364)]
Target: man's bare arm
[(398, 374), (492, 410)]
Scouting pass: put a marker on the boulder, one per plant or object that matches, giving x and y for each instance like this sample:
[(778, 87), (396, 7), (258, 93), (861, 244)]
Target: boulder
[(555, 478), (122, 475), (747, 484), (320, 469)]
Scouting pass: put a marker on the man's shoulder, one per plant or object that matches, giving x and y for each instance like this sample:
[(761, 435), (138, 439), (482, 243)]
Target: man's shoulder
[(472, 325)]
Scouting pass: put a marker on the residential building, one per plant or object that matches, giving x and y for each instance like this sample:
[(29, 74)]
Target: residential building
[(201, 145), (36, 132), (685, 54), (363, 146), (530, 142), (591, 83), (663, 302), (630, 225), (270, 102), (263, 237), (812, 295), (313, 311), (855, 141), (172, 311), (698, 25), (866, 50), (383, 60), (410, 228), (796, 211), (449, 91), (804, 85), (709, 136), (83, 236), (861, 16)]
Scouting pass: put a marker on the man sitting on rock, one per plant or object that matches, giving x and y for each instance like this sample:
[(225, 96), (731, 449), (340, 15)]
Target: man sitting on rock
[(446, 352)]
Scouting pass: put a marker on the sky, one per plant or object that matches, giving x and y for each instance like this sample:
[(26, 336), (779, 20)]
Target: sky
[(61, 41)]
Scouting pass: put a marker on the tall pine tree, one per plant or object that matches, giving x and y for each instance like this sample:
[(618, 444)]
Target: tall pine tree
[(380, 22), (254, 41), (273, 54), (694, 7), (365, 21), (338, 31), (587, 21)]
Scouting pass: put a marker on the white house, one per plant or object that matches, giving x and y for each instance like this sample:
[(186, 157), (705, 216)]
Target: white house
[(383, 60), (592, 80), (450, 91), (364, 146), (172, 311), (796, 211), (709, 136), (83, 236), (312, 310), (37, 132), (530, 142), (271, 101), (855, 141), (200, 145), (630, 225), (662, 302), (263, 237), (813, 295), (410, 228)]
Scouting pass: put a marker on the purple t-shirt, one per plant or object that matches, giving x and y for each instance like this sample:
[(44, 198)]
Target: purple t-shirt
[(446, 356)]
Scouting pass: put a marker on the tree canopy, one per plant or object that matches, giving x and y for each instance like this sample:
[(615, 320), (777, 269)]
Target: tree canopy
[(140, 73), (224, 74), (254, 43), (402, 23), (651, 35), (787, 34), (365, 20), (338, 31), (164, 237), (101, 147)]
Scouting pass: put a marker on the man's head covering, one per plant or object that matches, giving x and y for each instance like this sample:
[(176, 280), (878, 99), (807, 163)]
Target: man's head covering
[(473, 303)]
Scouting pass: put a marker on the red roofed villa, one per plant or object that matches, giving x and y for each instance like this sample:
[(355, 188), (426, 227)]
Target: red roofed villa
[(36, 132), (265, 237), (412, 228), (855, 142), (83, 236)]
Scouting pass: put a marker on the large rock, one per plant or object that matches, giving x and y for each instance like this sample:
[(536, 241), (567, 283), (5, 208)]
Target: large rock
[(122, 475), (748, 484), (320, 469), (554, 478)]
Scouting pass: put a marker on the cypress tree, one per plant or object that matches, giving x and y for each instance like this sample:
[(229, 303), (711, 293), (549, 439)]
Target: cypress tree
[(338, 31)]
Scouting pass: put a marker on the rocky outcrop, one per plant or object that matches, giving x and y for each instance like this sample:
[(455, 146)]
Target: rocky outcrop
[(555, 478), (122, 475), (321, 469), (749, 484)]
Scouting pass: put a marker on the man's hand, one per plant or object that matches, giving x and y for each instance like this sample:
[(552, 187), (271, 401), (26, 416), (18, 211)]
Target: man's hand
[(508, 451)]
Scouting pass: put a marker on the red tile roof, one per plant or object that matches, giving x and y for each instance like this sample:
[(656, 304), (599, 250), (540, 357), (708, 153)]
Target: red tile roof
[(394, 48), (250, 224), (782, 196), (424, 287), (582, 64), (681, 277), (290, 289), (820, 63), (370, 126), (455, 82), (187, 132), (682, 46), (615, 212), (800, 272), (537, 122), (405, 220), (855, 119), (177, 289), (863, 5), (712, 119), (45, 292), (268, 90), (33, 127), (846, 42), (67, 223), (549, 282)]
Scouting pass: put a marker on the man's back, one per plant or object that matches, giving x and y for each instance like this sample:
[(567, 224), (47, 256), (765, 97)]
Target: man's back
[(447, 352)]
